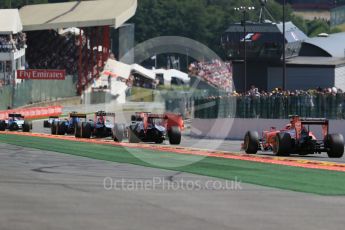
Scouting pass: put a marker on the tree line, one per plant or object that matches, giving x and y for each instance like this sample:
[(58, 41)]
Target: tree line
[(202, 20)]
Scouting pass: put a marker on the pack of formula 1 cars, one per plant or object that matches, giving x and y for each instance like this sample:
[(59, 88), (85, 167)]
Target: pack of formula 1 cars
[(144, 127)]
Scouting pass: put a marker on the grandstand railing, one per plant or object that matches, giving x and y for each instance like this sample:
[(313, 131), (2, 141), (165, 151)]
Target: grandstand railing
[(273, 107)]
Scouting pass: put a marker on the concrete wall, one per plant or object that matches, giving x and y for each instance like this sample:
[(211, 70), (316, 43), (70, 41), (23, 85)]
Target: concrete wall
[(235, 128), (256, 75), (301, 77)]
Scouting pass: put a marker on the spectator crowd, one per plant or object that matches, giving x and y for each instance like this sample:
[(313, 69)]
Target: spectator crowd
[(254, 92), (276, 104), (50, 50), (9, 43), (216, 73)]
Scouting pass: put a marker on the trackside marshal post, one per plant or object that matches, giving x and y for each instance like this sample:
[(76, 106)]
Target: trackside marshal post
[(37, 74)]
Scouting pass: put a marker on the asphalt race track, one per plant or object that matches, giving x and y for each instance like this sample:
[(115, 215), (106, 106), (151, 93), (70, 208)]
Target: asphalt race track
[(46, 190)]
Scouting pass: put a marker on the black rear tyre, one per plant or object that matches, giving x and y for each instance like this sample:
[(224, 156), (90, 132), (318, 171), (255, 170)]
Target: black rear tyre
[(27, 126), (85, 130), (46, 124), (77, 130), (119, 132), (335, 144), (2, 125), (174, 135), (251, 142), (132, 137), (283, 144), (61, 128), (53, 128)]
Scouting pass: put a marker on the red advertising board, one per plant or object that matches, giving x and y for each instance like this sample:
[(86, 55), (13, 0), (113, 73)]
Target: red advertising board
[(41, 74)]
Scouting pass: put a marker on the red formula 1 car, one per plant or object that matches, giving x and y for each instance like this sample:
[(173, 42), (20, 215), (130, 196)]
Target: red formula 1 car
[(296, 137), (148, 127)]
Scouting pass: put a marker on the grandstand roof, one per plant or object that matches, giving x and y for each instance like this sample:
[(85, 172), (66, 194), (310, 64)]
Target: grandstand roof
[(10, 22), (292, 32), (332, 46), (316, 61), (77, 14)]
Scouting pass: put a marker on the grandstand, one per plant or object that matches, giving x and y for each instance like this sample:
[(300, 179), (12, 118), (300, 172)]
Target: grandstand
[(215, 73), (83, 52), (12, 45), (50, 50), (70, 36)]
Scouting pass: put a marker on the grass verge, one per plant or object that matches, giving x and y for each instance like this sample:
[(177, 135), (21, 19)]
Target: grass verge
[(315, 181)]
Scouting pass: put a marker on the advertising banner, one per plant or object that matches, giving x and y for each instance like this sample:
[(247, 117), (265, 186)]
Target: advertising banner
[(40, 74)]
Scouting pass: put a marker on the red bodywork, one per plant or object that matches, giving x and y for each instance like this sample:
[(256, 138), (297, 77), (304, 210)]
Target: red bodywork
[(295, 128), (169, 120)]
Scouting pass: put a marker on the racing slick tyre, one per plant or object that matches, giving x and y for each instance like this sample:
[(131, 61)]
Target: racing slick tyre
[(119, 132), (60, 128), (53, 128), (46, 124), (27, 126), (335, 144), (174, 135), (283, 144), (85, 130), (2, 125), (132, 137), (77, 130), (251, 142)]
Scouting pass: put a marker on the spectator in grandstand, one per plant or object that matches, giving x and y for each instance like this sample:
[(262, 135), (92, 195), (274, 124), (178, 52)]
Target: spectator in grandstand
[(215, 73), (10, 43), (5, 45), (50, 50)]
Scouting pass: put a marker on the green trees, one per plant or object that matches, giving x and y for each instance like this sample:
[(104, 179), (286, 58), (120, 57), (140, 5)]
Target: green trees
[(318, 26), (202, 20), (206, 20)]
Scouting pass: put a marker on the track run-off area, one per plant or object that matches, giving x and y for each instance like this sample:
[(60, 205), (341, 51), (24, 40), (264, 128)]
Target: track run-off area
[(310, 176)]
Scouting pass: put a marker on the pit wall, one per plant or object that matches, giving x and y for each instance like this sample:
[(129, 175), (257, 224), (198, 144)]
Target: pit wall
[(235, 128)]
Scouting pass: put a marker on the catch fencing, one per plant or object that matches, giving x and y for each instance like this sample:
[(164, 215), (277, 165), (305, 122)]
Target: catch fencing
[(33, 91), (267, 107)]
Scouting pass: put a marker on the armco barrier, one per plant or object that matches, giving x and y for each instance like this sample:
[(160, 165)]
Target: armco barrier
[(34, 113)]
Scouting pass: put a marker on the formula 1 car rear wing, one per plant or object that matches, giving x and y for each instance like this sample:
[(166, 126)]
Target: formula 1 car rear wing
[(298, 123), (15, 115), (104, 114), (171, 119), (314, 121), (77, 115)]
